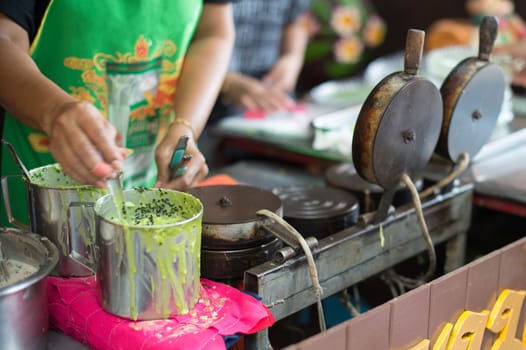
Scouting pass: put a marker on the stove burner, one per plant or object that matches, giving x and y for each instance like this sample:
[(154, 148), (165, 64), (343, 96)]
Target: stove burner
[(231, 264), (344, 176), (318, 211)]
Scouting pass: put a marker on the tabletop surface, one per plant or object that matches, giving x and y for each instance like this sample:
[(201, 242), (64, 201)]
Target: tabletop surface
[(60, 341)]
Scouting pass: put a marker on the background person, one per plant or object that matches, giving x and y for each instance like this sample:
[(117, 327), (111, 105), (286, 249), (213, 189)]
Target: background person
[(268, 54)]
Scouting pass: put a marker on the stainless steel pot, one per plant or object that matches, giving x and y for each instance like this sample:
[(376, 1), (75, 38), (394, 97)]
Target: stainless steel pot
[(23, 300), (148, 269)]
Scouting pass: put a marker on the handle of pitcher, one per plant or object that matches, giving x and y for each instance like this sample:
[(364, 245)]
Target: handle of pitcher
[(80, 258), (12, 220)]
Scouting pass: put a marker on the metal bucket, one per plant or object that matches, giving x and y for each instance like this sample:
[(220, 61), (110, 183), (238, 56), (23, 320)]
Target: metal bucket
[(23, 297), (62, 210), (149, 264)]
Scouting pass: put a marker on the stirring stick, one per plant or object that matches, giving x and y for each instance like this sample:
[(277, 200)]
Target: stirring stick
[(115, 189)]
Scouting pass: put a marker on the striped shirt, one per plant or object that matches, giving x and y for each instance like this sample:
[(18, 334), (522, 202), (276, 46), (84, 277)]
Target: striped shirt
[(259, 27)]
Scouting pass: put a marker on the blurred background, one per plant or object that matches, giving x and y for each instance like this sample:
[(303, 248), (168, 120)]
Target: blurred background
[(396, 17)]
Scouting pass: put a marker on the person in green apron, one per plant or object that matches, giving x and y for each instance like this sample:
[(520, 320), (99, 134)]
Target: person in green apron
[(109, 85)]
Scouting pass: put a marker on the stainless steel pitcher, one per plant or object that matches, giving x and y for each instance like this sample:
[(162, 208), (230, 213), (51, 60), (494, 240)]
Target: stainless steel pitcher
[(149, 266), (62, 210)]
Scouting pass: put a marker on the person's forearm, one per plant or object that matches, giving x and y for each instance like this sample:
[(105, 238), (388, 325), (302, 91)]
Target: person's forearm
[(24, 91), (204, 67), (295, 39)]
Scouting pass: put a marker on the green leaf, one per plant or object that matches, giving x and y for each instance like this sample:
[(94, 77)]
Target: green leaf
[(353, 3), (328, 32), (317, 49), (340, 70), (321, 9)]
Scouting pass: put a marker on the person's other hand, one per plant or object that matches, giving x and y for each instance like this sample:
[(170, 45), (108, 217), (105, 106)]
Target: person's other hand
[(253, 94), (82, 141), (197, 169), (284, 75)]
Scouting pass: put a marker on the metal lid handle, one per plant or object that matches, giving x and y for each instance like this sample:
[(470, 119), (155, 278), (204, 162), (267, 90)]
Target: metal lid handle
[(414, 46)]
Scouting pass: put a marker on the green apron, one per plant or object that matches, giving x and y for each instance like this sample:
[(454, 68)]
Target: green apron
[(124, 56)]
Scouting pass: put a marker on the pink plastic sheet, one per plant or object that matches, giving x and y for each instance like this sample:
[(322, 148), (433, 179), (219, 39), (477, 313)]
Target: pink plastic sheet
[(221, 310)]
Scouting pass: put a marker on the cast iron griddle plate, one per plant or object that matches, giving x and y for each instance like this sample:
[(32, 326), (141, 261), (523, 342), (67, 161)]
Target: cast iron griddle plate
[(406, 134), (476, 112), (399, 123), (234, 204), (417, 111), (473, 93)]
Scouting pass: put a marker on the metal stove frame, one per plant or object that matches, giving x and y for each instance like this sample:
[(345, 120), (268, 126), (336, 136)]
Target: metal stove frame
[(354, 254)]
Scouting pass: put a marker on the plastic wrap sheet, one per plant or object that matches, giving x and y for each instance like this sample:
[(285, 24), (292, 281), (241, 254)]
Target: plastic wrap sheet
[(221, 311), (502, 172), (507, 186)]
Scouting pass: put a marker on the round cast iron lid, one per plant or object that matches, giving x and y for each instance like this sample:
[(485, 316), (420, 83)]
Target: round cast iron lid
[(316, 202), (234, 204)]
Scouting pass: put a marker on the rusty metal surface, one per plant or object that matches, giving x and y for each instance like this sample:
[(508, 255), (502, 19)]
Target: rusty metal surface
[(472, 111), (408, 132), (318, 211), (352, 255), (473, 94), (367, 123), (399, 123)]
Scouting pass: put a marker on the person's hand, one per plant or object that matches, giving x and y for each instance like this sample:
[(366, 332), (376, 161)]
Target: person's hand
[(284, 74), (82, 141), (80, 138), (517, 63), (196, 170), (252, 94)]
